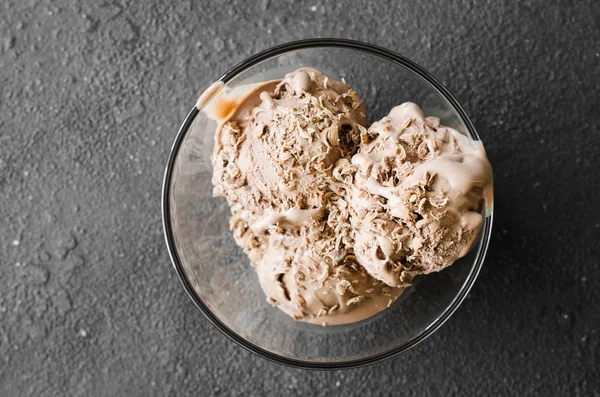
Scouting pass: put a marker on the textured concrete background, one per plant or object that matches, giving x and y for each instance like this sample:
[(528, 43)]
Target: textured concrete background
[(91, 95)]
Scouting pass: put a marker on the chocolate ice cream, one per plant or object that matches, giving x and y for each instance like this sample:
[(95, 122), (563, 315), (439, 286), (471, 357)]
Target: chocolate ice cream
[(336, 218), (418, 195)]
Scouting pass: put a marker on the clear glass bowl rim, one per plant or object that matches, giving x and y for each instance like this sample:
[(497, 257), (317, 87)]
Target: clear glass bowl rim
[(166, 191)]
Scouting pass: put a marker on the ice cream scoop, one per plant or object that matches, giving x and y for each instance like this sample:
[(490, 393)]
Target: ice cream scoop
[(418, 196), (275, 150)]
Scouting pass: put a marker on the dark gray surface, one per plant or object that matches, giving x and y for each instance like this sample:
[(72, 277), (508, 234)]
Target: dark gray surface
[(92, 94)]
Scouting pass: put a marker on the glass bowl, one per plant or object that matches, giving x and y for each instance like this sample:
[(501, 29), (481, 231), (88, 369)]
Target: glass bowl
[(217, 275)]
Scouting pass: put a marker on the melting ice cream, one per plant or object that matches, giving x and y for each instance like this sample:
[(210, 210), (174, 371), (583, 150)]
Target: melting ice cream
[(338, 218)]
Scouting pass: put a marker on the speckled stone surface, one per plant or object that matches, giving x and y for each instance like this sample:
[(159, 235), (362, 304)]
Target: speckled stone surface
[(91, 95)]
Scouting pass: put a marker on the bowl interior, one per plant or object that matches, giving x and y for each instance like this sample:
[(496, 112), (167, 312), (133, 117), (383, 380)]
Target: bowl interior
[(218, 272)]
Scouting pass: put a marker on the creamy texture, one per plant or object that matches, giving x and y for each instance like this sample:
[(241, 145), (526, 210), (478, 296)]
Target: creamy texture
[(417, 196), (337, 218)]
